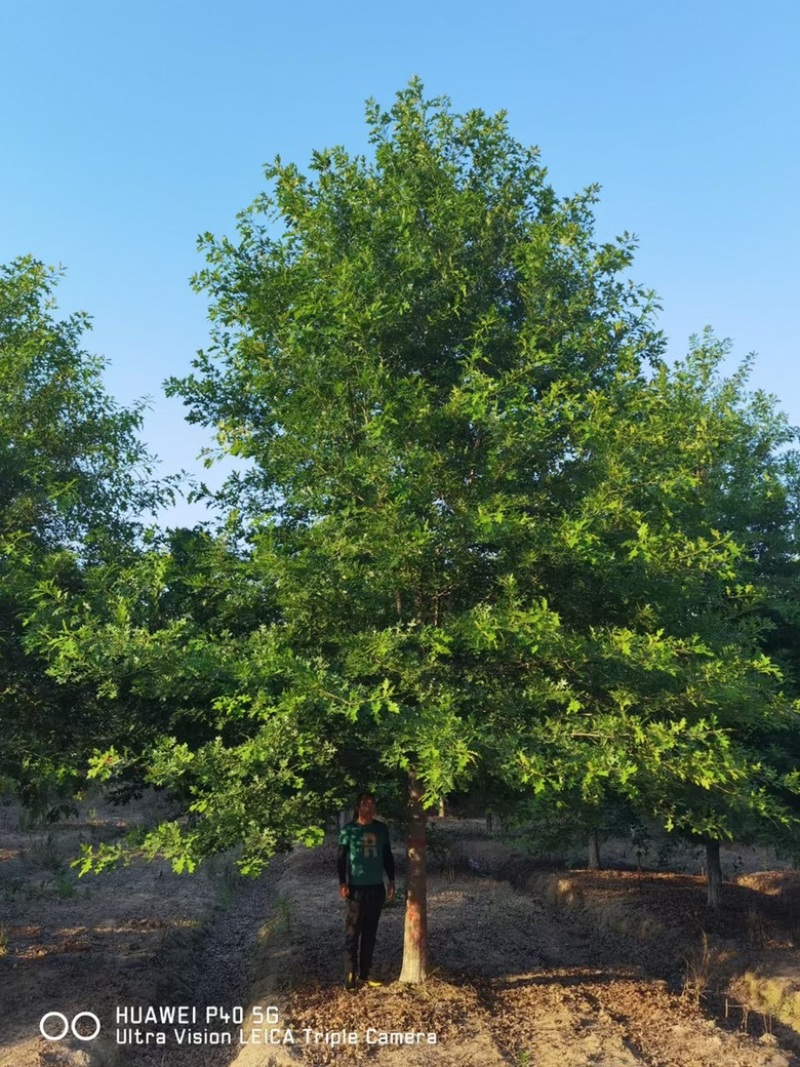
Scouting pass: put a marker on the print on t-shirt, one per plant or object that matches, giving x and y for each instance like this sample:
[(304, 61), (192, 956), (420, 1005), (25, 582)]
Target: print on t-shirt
[(370, 842)]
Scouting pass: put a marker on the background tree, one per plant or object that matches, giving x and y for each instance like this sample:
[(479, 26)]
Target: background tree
[(711, 467), (74, 479)]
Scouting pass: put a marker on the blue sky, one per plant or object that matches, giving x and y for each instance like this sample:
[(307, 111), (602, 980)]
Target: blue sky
[(129, 129)]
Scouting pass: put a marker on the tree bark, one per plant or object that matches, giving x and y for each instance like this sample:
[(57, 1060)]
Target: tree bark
[(415, 939), (714, 870), (594, 851)]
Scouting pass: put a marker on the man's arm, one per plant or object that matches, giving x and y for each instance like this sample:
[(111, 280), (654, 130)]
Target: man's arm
[(388, 864), (341, 866)]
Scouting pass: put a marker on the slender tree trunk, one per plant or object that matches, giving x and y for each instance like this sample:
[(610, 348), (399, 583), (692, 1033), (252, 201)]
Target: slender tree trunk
[(415, 941), (594, 851), (441, 808), (714, 874)]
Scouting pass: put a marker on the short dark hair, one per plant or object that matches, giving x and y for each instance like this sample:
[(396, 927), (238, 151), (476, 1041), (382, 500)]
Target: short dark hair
[(364, 795)]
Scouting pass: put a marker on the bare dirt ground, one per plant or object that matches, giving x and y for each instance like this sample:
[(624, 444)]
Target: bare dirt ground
[(532, 967)]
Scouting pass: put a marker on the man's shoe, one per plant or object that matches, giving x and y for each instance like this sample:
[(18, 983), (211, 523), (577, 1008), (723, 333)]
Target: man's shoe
[(371, 983), (350, 983)]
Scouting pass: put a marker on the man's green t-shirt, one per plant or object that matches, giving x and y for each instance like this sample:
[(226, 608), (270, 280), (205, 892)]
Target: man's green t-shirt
[(367, 848)]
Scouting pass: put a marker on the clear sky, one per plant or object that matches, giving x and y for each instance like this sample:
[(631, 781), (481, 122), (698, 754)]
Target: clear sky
[(127, 129)]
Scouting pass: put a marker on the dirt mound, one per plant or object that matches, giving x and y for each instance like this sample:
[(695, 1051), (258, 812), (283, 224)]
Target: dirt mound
[(783, 884)]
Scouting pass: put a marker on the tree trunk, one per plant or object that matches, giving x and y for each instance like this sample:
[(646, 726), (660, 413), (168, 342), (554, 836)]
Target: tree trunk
[(714, 874), (415, 940), (441, 808), (594, 851)]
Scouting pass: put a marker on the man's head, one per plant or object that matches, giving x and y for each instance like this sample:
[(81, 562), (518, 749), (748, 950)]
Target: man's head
[(365, 807)]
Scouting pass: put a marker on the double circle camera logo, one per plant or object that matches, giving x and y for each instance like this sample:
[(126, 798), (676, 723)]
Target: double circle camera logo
[(54, 1026)]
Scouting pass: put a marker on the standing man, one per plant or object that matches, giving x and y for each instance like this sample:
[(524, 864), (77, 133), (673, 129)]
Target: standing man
[(364, 854)]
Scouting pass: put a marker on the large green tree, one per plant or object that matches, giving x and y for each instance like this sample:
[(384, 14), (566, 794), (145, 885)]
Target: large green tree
[(480, 491), (472, 513)]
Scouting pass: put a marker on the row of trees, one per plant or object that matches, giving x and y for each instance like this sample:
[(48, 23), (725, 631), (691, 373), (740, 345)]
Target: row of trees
[(487, 537)]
